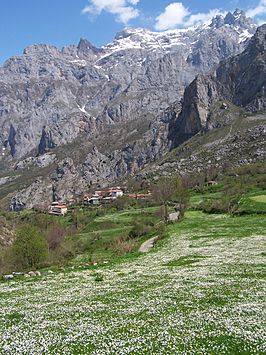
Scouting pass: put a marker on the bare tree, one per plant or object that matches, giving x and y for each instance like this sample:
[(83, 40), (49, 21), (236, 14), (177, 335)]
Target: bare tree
[(55, 236), (170, 190)]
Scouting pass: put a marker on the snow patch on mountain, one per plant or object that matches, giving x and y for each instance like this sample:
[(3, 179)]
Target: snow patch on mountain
[(143, 39)]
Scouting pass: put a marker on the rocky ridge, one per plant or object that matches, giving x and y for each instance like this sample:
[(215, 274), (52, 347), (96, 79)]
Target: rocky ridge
[(239, 80), (117, 103), (241, 143), (48, 97)]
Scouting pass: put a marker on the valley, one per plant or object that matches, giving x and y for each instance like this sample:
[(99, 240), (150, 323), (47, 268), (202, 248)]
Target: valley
[(133, 190)]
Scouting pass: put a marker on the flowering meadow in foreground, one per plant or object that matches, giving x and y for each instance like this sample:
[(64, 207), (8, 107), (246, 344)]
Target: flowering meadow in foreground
[(200, 291)]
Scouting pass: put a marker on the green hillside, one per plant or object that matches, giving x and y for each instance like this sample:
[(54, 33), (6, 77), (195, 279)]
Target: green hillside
[(200, 290)]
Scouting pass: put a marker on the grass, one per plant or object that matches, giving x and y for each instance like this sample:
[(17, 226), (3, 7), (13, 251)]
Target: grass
[(101, 237), (185, 260), (260, 198), (219, 226), (197, 198), (201, 290), (254, 202)]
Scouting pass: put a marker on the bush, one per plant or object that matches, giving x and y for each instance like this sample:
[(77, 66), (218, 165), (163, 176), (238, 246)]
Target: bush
[(79, 218), (160, 229), (122, 203), (122, 245), (6, 264), (218, 206), (55, 236), (171, 189), (29, 249), (64, 252), (140, 228), (221, 205)]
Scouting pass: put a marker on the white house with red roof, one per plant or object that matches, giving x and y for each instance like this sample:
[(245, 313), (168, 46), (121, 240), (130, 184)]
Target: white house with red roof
[(57, 208)]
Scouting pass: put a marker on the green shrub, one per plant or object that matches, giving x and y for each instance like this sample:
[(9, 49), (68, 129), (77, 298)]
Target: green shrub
[(64, 252), (55, 236), (160, 229), (140, 228), (122, 203), (29, 249)]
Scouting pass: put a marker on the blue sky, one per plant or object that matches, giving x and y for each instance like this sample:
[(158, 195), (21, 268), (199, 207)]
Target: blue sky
[(61, 22)]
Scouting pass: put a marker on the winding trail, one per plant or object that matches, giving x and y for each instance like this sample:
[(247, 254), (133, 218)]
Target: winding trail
[(147, 245)]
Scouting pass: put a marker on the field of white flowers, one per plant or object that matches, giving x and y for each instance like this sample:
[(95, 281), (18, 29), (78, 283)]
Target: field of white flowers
[(200, 291)]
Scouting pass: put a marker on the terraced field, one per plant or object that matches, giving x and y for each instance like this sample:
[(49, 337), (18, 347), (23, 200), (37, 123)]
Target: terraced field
[(200, 291), (254, 202)]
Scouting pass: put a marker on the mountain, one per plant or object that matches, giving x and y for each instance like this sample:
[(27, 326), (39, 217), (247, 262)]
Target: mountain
[(48, 96), (240, 80), (85, 116)]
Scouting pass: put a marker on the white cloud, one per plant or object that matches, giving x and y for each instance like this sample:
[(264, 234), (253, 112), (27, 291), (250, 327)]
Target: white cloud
[(173, 15), (124, 10), (260, 9), (176, 14), (202, 18)]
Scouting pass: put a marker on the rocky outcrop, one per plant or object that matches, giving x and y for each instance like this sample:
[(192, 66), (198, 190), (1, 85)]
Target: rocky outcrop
[(241, 143), (244, 77), (32, 196), (240, 80), (46, 142), (11, 141), (198, 99), (40, 162)]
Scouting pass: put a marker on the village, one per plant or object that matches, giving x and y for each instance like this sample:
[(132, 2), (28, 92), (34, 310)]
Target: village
[(98, 197)]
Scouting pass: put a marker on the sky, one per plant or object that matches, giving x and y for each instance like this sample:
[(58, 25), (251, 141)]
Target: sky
[(63, 22)]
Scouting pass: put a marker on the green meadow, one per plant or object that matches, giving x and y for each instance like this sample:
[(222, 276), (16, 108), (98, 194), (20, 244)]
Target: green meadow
[(200, 290)]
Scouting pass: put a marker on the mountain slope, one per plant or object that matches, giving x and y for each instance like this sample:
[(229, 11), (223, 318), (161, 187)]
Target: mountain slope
[(48, 97), (95, 116), (240, 80)]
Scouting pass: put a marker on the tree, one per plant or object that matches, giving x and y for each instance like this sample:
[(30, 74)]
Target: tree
[(171, 190), (55, 236), (78, 218), (181, 195), (30, 248)]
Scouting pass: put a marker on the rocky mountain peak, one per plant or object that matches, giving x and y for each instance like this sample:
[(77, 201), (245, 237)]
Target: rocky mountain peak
[(125, 33), (85, 47), (237, 19), (240, 80), (42, 49), (116, 95), (232, 25), (217, 21)]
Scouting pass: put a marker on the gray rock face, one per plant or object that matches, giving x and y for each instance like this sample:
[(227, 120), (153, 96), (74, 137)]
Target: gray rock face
[(240, 80), (244, 145), (101, 168), (32, 196), (105, 112), (40, 162), (244, 77), (46, 142), (82, 87)]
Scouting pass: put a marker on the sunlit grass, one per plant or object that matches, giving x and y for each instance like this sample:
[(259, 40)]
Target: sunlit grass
[(200, 291)]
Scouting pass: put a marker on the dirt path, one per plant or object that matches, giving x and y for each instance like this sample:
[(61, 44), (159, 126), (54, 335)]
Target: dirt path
[(146, 246)]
